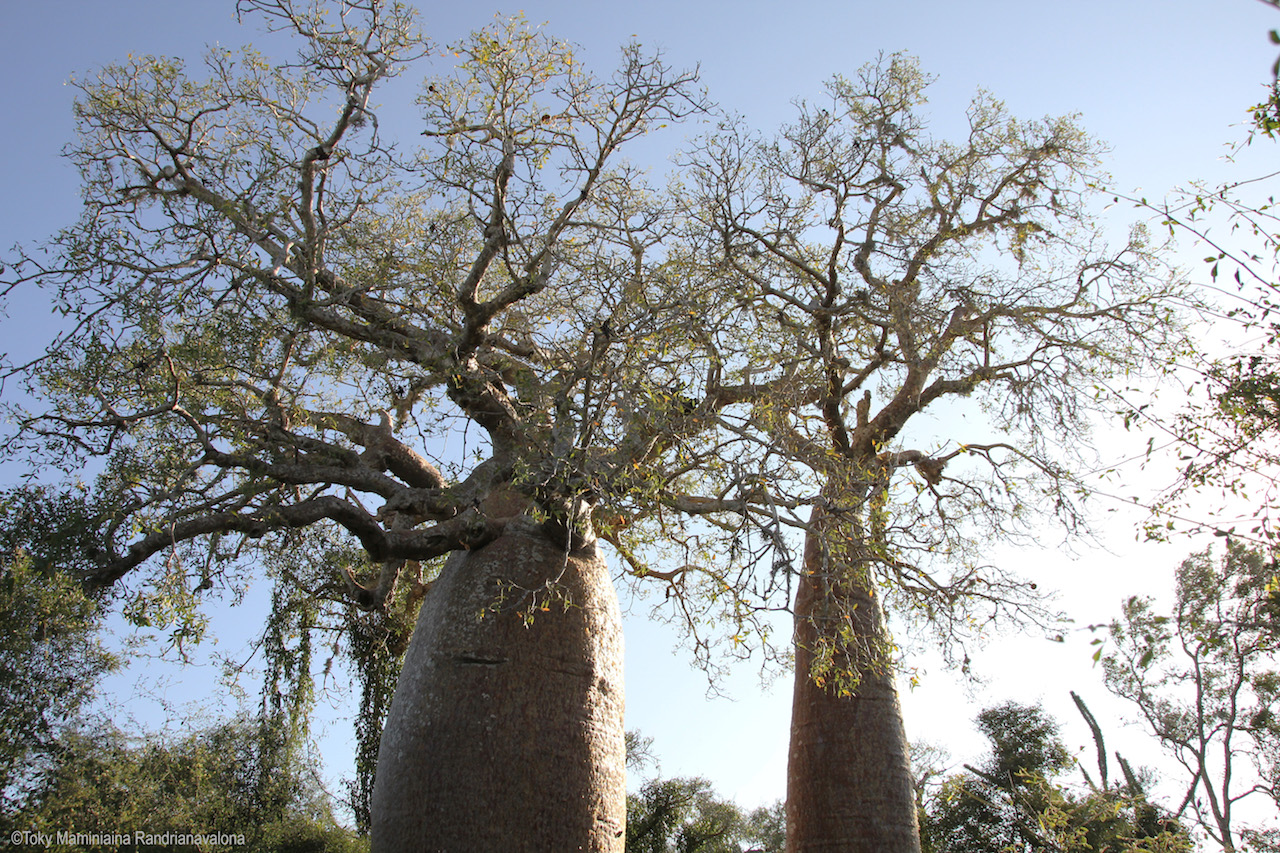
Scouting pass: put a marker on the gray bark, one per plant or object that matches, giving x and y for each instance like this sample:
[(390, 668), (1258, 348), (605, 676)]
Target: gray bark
[(849, 782), (506, 734)]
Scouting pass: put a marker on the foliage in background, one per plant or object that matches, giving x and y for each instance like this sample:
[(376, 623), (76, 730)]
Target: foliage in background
[(1016, 800), (62, 768), (224, 779), (685, 815), (51, 655), (310, 615)]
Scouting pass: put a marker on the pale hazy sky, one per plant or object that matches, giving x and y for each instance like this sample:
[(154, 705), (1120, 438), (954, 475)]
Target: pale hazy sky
[(1162, 82)]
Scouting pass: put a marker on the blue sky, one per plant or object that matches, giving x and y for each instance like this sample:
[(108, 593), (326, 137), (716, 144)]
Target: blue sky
[(1164, 82)]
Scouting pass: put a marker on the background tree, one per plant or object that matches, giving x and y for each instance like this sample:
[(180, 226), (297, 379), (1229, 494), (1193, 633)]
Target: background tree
[(996, 806), (685, 815), (51, 656), (223, 780), (1015, 801), (281, 327), (681, 815), (866, 274), (1204, 679)]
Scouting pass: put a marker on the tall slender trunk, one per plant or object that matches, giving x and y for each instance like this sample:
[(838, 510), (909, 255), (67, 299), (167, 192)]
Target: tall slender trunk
[(849, 784), (506, 735)]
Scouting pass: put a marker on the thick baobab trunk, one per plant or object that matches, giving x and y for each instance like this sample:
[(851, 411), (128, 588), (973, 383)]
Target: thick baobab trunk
[(849, 784), (506, 735)]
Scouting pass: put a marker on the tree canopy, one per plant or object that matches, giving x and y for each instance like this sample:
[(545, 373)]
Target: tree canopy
[(270, 307), (867, 272), (685, 815)]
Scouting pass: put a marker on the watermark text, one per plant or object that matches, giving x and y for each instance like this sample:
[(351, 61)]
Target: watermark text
[(124, 840)]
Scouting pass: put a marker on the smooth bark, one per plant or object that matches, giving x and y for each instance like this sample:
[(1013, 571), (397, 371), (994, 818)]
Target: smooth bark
[(849, 784), (506, 734)]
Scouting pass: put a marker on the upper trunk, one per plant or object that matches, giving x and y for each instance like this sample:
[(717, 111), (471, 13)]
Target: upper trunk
[(507, 734), (849, 784)]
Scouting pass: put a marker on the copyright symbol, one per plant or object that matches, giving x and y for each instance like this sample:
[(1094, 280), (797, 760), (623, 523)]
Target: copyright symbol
[(16, 837)]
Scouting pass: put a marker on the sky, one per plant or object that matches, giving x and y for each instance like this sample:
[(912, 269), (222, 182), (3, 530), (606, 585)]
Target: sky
[(1166, 83)]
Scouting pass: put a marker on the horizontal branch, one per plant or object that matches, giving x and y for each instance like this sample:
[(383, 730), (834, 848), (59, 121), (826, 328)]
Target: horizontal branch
[(465, 531)]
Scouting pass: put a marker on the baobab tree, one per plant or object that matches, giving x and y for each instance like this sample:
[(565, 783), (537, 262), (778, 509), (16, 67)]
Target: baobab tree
[(280, 326), (867, 275)]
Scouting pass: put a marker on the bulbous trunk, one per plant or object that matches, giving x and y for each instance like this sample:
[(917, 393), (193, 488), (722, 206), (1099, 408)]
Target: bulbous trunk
[(506, 734), (849, 784)]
